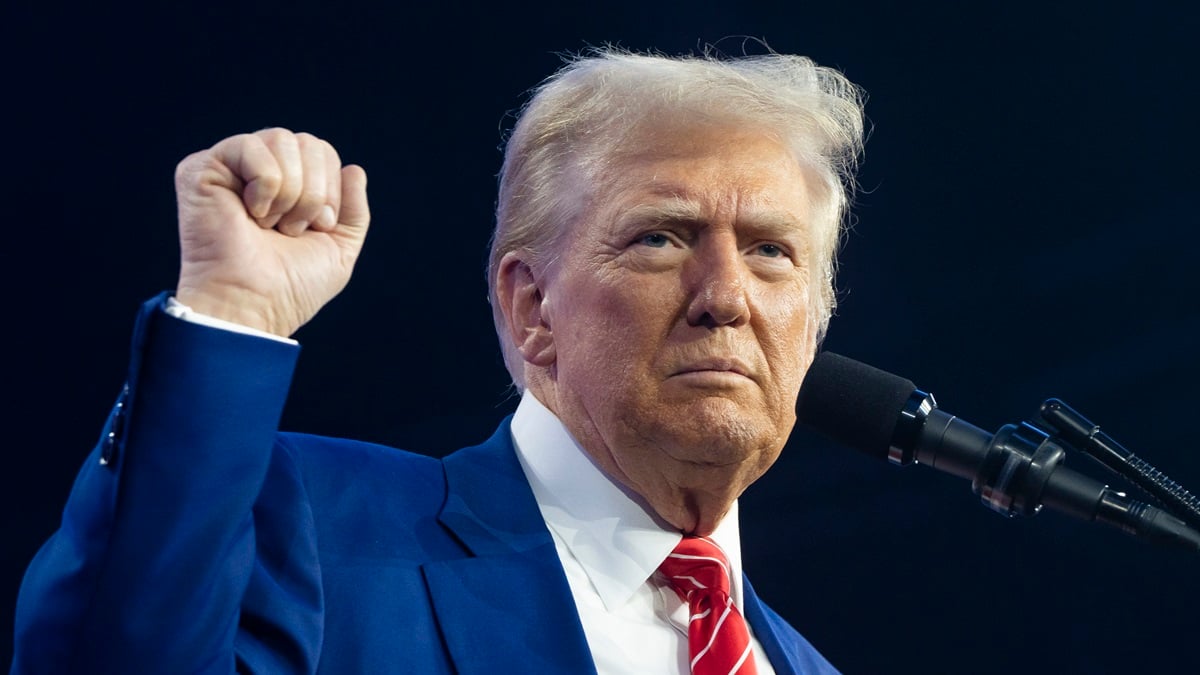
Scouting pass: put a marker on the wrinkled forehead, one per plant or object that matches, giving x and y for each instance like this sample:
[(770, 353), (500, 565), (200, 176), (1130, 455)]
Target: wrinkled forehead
[(699, 171)]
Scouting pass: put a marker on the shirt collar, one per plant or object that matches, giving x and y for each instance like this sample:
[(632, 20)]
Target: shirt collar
[(612, 532)]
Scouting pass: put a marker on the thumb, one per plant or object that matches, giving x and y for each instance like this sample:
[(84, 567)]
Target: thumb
[(354, 215)]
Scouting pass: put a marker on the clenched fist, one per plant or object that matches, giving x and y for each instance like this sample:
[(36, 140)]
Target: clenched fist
[(270, 225)]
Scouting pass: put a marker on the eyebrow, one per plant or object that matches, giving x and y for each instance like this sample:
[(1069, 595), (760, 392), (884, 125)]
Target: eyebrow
[(675, 209), (678, 209)]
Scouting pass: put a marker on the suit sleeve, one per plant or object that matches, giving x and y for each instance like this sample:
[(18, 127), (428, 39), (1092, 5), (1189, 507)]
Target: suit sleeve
[(157, 552)]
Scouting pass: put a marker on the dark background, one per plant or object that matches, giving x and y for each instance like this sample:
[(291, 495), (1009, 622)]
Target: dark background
[(1026, 229)]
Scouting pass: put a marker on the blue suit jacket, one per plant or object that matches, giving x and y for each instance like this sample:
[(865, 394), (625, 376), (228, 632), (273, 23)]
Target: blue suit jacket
[(198, 539)]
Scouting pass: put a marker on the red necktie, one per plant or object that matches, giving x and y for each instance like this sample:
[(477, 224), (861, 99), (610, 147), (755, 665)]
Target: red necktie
[(718, 640)]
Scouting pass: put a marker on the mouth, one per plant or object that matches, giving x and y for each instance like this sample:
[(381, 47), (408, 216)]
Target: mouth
[(717, 366)]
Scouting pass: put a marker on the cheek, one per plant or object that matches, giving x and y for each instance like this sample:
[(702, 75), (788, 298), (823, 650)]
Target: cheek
[(789, 345), (603, 331)]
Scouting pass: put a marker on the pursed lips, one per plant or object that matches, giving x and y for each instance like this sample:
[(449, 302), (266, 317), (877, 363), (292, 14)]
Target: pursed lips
[(721, 365)]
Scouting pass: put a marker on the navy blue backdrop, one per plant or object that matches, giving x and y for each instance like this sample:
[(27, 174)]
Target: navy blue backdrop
[(1026, 228)]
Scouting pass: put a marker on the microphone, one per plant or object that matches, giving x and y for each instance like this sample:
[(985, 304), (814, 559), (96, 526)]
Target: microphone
[(1015, 471)]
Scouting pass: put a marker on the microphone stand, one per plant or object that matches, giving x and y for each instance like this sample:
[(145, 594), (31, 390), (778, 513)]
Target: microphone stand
[(1081, 433), (1018, 470)]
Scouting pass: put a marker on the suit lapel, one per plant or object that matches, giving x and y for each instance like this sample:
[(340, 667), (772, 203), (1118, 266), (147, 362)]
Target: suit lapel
[(508, 608), (782, 658)]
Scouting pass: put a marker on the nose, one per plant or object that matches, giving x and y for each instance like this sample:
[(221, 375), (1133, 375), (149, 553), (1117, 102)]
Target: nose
[(718, 285)]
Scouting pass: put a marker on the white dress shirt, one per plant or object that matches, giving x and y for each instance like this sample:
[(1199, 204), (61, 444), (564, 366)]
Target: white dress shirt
[(611, 544)]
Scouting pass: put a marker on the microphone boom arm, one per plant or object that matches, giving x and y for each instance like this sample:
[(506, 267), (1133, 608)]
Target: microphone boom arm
[(1016, 471), (1082, 434)]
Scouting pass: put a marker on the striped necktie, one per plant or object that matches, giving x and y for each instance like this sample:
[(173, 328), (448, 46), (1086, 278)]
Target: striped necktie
[(718, 639)]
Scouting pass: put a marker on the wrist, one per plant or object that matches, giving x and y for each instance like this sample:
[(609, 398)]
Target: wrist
[(183, 312), (239, 309)]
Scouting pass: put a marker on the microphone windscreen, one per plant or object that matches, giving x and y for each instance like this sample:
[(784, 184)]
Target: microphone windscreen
[(852, 403)]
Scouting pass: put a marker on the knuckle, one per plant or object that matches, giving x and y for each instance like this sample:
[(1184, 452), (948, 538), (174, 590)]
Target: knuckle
[(314, 180), (186, 166), (273, 133), (311, 200), (269, 181), (331, 153), (291, 181), (249, 141), (281, 142)]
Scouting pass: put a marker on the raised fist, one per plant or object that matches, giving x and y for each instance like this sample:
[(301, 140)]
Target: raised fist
[(270, 225)]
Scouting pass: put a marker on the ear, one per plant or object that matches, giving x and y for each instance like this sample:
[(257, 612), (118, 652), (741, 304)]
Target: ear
[(525, 309)]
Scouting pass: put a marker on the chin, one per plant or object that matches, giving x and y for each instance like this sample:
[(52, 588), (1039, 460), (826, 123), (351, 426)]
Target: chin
[(717, 431)]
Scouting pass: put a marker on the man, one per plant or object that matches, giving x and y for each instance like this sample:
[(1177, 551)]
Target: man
[(661, 273)]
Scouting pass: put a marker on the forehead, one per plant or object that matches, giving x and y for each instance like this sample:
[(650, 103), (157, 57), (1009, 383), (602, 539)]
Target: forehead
[(703, 173)]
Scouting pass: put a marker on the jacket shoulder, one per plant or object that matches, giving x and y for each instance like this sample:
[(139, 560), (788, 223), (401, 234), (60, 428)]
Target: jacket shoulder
[(365, 500)]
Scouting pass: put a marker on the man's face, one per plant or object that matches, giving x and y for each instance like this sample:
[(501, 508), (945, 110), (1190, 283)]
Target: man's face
[(681, 309)]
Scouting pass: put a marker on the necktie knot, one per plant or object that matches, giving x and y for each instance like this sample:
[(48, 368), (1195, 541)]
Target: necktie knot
[(696, 564), (718, 639)]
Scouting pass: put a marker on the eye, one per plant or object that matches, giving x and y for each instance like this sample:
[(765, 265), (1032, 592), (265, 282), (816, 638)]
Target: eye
[(771, 251), (655, 240)]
